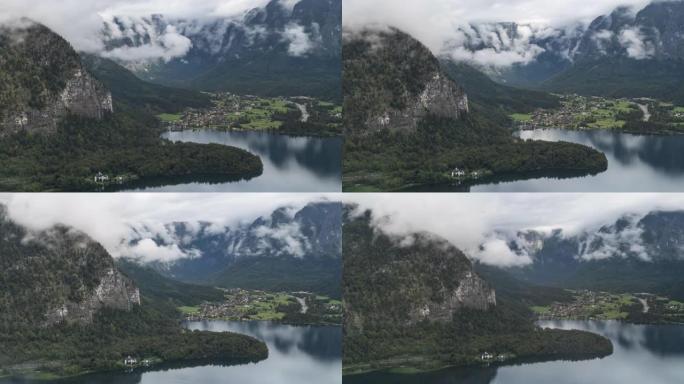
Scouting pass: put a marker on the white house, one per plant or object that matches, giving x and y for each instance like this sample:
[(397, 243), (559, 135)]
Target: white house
[(101, 178), (486, 356), (457, 172), (130, 361)]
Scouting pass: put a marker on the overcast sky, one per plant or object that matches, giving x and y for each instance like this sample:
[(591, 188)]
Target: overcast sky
[(108, 218), (468, 220), (435, 22), (81, 21)]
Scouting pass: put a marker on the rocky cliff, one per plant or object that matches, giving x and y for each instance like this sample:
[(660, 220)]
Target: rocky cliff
[(56, 276), (43, 81), (405, 281), (392, 81)]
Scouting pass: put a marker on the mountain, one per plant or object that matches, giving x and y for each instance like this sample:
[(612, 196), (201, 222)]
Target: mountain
[(408, 124), (277, 50), (43, 81), (385, 91), (68, 310), (127, 88), (634, 254), (288, 250), (627, 53), (416, 302), (58, 276)]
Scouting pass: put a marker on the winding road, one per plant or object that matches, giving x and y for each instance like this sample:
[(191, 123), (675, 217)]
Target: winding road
[(644, 109)]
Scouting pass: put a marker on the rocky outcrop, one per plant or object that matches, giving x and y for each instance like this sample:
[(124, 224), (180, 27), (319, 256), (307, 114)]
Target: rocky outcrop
[(406, 281), (46, 81), (115, 291), (392, 81), (58, 275)]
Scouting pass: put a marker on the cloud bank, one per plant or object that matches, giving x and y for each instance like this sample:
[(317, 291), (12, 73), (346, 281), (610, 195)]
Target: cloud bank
[(468, 30), (83, 23), (482, 225), (135, 224)]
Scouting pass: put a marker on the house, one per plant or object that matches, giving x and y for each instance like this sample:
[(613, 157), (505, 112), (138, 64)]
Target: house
[(456, 172), (101, 178), (486, 356), (128, 361)]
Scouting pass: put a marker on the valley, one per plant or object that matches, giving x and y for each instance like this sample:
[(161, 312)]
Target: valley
[(284, 307)]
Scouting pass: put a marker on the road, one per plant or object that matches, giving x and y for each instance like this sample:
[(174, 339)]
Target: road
[(644, 109), (645, 304)]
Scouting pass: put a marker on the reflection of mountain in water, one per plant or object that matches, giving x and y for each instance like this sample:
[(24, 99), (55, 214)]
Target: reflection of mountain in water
[(321, 343), (664, 153)]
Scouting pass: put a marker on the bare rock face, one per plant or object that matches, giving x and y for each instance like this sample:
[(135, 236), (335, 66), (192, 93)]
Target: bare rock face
[(44, 81), (115, 291), (392, 81)]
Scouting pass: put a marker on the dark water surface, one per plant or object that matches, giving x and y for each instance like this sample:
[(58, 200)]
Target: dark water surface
[(644, 354), (636, 163), (291, 164), (297, 355)]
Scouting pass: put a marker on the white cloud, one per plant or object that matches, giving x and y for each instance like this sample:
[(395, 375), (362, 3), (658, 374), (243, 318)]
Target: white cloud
[(472, 220), (633, 41), (115, 219), (300, 43), (149, 250), (294, 242)]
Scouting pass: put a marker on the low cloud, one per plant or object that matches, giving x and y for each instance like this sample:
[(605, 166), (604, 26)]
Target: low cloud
[(148, 250), (637, 47), (300, 43), (289, 237)]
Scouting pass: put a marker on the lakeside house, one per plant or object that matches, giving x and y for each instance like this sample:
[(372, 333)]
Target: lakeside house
[(130, 361), (457, 172), (101, 178), (486, 356)]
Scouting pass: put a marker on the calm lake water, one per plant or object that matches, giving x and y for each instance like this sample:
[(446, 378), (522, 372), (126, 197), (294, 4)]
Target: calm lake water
[(643, 354), (636, 163), (297, 355), (291, 164)]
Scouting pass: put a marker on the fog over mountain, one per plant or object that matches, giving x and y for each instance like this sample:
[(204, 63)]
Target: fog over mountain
[(511, 230), (497, 35), (135, 31), (140, 225)]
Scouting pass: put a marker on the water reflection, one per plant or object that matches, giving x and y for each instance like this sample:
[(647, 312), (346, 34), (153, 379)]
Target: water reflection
[(642, 354), (635, 163), (291, 164)]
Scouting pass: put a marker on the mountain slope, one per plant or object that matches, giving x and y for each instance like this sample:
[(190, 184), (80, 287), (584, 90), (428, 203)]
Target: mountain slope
[(43, 81), (277, 50), (129, 89), (634, 254), (415, 302), (288, 251)]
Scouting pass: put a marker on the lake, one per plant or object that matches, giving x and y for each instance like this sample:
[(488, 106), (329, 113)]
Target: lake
[(297, 355), (652, 354), (636, 163), (291, 164)]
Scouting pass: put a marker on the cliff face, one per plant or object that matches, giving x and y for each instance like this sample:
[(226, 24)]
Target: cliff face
[(392, 81), (405, 281), (43, 81), (58, 275)]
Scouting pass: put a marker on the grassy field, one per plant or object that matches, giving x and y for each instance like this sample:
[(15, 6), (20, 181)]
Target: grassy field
[(678, 109), (521, 117), (170, 118)]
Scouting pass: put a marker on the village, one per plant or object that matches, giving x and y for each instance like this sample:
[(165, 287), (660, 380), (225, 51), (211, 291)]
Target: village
[(595, 112), (249, 112), (592, 305), (255, 305)]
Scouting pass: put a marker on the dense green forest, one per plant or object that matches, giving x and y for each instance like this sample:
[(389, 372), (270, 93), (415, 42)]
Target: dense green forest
[(146, 332), (624, 77), (395, 160), (276, 274), (379, 332), (126, 144)]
